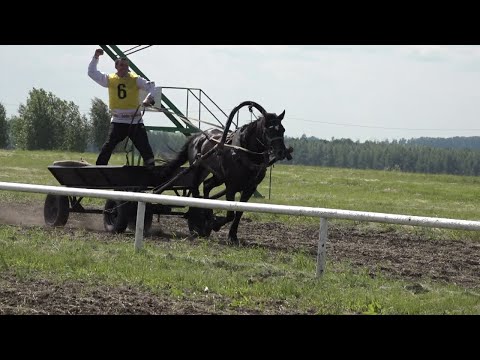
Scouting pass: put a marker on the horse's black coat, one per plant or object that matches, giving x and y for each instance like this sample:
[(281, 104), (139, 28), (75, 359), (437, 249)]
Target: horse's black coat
[(240, 163)]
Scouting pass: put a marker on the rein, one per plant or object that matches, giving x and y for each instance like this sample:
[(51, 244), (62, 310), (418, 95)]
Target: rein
[(237, 147)]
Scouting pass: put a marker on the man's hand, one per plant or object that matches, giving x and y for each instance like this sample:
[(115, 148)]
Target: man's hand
[(98, 52), (149, 101)]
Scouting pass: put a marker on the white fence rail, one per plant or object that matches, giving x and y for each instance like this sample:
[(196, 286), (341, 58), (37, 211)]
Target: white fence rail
[(322, 213)]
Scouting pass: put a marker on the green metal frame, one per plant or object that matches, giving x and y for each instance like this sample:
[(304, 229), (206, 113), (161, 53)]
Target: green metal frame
[(114, 52)]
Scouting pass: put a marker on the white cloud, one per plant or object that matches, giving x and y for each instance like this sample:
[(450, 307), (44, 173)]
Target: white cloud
[(385, 87), (444, 52)]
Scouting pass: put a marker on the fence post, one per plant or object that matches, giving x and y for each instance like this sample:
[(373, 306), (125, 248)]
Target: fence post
[(140, 225), (321, 251)]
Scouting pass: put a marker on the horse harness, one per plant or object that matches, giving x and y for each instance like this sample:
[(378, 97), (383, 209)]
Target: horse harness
[(236, 141)]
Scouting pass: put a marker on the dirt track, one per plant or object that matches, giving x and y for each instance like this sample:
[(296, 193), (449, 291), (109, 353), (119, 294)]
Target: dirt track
[(397, 256)]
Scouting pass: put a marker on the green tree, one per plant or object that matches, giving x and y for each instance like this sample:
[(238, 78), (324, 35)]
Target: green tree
[(47, 122), (15, 127), (3, 127), (100, 122), (77, 129), (36, 129)]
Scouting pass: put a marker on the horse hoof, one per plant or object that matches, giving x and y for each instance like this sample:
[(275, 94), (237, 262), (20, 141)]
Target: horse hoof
[(233, 241)]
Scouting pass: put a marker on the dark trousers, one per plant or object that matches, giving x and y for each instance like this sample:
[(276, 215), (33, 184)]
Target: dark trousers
[(117, 133)]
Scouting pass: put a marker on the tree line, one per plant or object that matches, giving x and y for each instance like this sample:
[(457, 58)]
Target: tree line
[(46, 122), (401, 155)]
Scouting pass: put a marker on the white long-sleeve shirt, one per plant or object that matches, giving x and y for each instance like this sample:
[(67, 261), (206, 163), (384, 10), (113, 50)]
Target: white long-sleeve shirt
[(121, 115)]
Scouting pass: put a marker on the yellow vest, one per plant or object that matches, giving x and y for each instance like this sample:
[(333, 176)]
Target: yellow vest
[(123, 92)]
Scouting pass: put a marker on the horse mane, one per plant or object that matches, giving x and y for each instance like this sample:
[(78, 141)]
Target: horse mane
[(250, 124), (246, 129)]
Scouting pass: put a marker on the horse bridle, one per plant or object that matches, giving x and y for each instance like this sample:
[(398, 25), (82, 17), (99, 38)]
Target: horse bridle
[(272, 139)]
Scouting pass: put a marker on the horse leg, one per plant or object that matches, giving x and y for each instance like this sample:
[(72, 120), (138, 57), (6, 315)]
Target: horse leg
[(198, 175), (195, 189), (220, 221), (209, 184), (232, 234)]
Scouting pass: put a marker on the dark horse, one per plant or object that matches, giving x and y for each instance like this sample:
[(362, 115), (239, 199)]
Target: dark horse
[(238, 159)]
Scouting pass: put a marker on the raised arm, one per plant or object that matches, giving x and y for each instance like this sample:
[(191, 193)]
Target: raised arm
[(98, 76)]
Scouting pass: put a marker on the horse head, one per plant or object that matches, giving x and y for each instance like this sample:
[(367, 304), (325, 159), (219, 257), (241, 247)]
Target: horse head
[(274, 135)]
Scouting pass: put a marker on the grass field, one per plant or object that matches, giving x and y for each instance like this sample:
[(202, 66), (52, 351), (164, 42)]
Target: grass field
[(446, 196), (269, 281)]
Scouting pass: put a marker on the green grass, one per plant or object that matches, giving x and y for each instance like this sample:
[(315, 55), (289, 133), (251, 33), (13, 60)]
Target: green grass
[(376, 191), (392, 192), (446, 196), (239, 278), (253, 278), (442, 196)]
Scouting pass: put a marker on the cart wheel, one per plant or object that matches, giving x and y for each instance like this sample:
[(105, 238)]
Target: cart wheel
[(115, 217), (132, 219), (55, 210), (199, 221)]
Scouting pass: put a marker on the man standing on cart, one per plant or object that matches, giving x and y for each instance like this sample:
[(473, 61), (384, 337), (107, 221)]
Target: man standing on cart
[(123, 91)]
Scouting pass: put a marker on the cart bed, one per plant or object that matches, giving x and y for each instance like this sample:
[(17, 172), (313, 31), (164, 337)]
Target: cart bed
[(117, 177)]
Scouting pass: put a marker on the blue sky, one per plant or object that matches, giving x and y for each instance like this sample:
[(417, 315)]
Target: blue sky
[(359, 92)]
